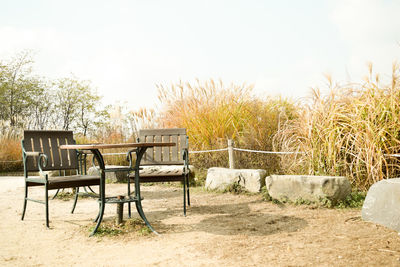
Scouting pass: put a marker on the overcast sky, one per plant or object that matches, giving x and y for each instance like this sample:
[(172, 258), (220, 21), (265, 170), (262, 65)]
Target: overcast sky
[(127, 47)]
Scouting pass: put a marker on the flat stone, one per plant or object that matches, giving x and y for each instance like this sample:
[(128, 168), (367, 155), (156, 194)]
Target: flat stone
[(306, 187), (222, 178), (382, 204)]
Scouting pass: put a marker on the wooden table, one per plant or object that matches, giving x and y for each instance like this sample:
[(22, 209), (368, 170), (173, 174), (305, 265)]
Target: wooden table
[(140, 149)]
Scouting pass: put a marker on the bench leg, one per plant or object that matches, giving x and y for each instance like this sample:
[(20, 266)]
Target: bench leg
[(25, 200), (76, 199), (184, 196), (188, 197)]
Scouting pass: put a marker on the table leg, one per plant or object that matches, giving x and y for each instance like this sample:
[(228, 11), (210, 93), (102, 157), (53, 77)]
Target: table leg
[(102, 190), (129, 194), (139, 154)]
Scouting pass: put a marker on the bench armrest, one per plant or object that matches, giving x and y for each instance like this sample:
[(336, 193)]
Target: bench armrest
[(185, 156)]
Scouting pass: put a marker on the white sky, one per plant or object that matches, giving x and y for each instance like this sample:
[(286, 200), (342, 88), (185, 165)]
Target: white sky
[(127, 47)]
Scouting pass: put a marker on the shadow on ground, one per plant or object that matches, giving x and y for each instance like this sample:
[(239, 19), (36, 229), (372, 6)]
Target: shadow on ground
[(226, 219)]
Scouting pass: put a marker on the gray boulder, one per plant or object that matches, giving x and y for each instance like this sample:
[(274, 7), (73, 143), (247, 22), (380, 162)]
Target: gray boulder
[(222, 178), (307, 187), (382, 204)]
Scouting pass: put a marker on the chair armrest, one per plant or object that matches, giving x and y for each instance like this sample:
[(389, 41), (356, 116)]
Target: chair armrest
[(32, 154), (129, 157), (41, 161)]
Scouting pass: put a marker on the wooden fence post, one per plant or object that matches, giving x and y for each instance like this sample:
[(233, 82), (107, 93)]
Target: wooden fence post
[(231, 154)]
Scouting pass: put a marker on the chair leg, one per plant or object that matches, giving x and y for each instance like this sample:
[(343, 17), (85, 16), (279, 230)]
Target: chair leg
[(47, 205), (188, 196), (76, 199), (25, 200)]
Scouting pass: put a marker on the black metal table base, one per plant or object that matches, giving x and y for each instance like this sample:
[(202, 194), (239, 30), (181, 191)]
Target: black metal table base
[(136, 198)]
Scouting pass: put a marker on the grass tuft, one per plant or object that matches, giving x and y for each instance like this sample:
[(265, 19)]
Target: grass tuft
[(130, 226)]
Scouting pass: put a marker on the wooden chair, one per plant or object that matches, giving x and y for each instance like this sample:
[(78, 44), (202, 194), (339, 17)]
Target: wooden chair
[(156, 158), (41, 153)]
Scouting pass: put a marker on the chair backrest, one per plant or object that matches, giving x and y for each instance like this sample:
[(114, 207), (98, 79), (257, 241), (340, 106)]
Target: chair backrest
[(48, 142), (164, 155)]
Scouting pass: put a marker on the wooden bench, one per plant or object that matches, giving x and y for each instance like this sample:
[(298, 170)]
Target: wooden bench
[(166, 164), (41, 153)]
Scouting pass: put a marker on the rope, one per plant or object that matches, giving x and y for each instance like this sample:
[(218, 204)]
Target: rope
[(246, 150), (392, 155), (204, 151), (266, 152)]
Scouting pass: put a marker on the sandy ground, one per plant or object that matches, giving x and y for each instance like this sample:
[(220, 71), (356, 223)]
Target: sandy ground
[(219, 230)]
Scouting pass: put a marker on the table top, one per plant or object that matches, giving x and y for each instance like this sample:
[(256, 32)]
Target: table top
[(123, 145)]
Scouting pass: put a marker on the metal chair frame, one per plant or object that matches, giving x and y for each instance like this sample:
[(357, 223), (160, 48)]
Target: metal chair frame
[(41, 153)]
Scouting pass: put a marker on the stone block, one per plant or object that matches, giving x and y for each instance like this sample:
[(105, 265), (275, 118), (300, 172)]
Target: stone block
[(306, 187), (222, 178), (382, 204)]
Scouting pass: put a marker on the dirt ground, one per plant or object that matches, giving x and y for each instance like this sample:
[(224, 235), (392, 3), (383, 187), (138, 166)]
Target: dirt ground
[(219, 230)]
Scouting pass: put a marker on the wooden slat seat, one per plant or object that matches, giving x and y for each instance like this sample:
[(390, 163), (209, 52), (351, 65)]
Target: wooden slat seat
[(161, 171), (60, 182)]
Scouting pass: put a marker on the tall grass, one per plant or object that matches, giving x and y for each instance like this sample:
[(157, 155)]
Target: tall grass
[(213, 112), (349, 131), (10, 152)]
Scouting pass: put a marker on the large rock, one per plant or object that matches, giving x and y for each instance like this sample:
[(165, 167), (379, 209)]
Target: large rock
[(310, 188), (222, 178), (382, 204)]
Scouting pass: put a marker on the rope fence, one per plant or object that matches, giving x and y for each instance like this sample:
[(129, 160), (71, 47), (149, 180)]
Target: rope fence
[(231, 155), (230, 150)]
